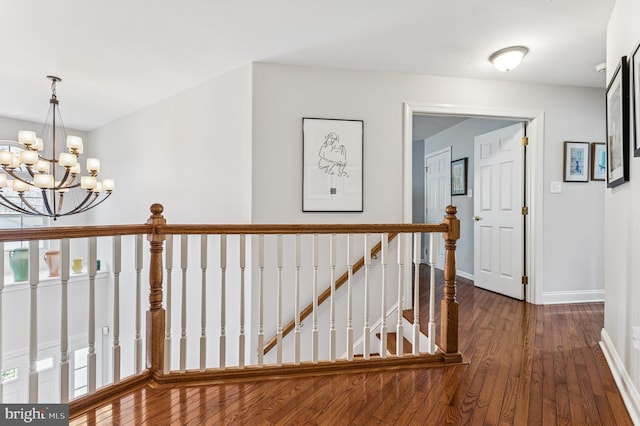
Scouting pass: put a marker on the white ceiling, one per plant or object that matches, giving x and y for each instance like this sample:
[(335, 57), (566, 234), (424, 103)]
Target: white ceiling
[(117, 56)]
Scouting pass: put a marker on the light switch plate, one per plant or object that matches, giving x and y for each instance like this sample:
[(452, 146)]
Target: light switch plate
[(555, 187)]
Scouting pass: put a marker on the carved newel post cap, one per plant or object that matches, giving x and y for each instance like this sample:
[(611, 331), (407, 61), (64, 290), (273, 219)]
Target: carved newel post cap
[(451, 210), (156, 209)]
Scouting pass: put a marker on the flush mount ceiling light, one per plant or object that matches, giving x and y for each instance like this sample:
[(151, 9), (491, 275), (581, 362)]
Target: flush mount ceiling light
[(508, 58)]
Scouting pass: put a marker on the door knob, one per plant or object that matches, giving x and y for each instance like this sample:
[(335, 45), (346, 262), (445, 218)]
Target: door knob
[(476, 218)]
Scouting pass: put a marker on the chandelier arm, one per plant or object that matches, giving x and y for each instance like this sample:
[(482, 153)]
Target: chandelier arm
[(12, 206), (45, 199), (30, 171), (63, 180), (11, 173), (91, 204), (61, 199), (80, 207), (28, 204)]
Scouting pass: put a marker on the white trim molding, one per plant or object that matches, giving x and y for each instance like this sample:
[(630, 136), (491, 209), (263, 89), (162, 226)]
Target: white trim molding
[(535, 182), (625, 385), (579, 296)]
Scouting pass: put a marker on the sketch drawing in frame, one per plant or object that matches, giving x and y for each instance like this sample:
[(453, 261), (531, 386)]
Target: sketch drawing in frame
[(576, 162), (459, 176), (332, 157), (598, 161), (617, 101)]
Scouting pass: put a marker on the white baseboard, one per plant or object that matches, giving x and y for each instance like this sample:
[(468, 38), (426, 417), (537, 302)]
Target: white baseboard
[(625, 385), (581, 296), (464, 275)]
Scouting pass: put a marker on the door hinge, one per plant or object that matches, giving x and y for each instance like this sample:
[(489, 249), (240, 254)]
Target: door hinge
[(525, 280), (525, 210), (525, 141)]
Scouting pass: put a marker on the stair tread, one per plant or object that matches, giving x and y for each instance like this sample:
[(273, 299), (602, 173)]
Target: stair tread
[(391, 343), (408, 315)]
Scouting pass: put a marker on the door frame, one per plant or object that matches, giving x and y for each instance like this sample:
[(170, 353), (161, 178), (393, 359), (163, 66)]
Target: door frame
[(534, 176)]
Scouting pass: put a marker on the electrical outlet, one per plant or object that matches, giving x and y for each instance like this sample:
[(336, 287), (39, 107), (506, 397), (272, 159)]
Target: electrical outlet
[(635, 337)]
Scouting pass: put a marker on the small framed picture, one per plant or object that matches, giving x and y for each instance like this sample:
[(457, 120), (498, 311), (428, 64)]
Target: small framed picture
[(459, 176), (617, 142), (576, 161), (598, 161)]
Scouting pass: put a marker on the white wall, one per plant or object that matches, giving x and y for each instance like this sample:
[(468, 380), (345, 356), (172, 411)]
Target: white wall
[(190, 152), (622, 235), (284, 94)]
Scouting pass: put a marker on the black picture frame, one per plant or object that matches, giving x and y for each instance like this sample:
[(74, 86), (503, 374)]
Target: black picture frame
[(635, 90), (459, 176), (575, 164), (332, 165), (617, 106)]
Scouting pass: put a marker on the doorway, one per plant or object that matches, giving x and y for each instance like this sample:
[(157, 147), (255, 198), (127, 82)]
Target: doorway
[(533, 173)]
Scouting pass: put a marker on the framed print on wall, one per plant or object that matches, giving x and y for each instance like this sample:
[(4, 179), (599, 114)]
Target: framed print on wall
[(459, 176), (332, 165), (635, 83), (617, 101), (576, 162), (598, 161)]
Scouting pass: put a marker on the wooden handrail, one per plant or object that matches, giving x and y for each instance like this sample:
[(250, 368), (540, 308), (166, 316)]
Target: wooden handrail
[(55, 233), (374, 228), (325, 295)]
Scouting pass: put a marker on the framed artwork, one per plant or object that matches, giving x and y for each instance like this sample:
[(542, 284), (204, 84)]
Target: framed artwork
[(617, 101), (332, 165), (576, 162), (598, 161), (635, 84), (459, 177)]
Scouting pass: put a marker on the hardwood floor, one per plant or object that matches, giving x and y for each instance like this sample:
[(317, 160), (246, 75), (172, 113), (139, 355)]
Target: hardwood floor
[(528, 365)]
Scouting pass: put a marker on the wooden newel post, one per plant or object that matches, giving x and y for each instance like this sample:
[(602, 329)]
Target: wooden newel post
[(156, 313), (449, 307)]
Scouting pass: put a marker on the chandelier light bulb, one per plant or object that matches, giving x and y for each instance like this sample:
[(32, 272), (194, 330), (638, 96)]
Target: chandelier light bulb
[(508, 58)]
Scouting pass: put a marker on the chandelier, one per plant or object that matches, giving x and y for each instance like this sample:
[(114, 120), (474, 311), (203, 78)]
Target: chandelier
[(40, 177)]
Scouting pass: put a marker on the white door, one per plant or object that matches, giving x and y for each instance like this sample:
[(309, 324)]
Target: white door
[(498, 223), (437, 195)]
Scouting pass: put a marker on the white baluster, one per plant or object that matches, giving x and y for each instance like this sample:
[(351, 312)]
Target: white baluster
[(34, 277), (243, 255), (432, 293), (203, 303), (64, 320), (183, 312), (91, 355), (167, 293), (296, 333), (417, 237), (332, 320), (223, 300), (260, 300), (399, 327), (366, 348), (117, 268), (138, 339), (384, 241), (349, 299), (314, 330), (279, 302)]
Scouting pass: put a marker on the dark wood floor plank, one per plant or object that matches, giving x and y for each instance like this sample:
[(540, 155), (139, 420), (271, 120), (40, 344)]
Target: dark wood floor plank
[(528, 365)]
